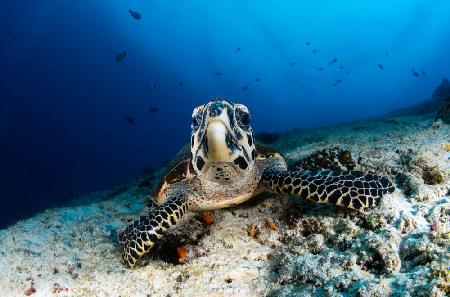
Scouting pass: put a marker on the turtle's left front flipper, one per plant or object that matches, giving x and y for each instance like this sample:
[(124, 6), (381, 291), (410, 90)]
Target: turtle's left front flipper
[(351, 189)]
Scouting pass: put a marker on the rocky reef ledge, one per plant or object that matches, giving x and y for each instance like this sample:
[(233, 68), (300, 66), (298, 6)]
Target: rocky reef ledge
[(269, 246)]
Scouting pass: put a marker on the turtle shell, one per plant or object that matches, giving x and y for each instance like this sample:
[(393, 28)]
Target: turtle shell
[(180, 168), (177, 170), (264, 152)]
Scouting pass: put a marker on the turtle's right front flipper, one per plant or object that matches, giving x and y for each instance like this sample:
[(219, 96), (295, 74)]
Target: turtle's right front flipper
[(138, 238)]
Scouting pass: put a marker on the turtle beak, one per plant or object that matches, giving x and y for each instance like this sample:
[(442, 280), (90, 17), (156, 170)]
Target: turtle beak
[(218, 150)]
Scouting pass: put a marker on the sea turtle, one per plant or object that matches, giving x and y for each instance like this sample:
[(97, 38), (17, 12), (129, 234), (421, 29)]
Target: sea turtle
[(223, 166)]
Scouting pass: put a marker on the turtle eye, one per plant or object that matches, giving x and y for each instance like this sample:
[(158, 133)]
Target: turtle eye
[(243, 118)]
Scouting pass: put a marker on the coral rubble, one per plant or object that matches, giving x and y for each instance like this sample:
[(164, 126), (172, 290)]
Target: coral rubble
[(270, 245)]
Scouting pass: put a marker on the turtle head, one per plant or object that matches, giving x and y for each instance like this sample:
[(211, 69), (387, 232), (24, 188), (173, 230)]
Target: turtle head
[(222, 143)]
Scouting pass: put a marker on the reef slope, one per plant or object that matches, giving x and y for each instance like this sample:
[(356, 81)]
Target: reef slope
[(402, 247)]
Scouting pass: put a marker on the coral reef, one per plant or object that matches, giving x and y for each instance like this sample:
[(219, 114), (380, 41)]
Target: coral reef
[(443, 90), (334, 159), (268, 246), (428, 106), (443, 111), (415, 170)]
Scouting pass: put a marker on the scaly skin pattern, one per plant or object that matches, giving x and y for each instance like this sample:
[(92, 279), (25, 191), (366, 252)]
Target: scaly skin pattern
[(138, 238), (222, 166), (351, 189)]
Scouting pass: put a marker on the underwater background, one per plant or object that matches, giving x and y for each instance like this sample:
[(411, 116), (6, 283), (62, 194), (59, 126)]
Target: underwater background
[(95, 93)]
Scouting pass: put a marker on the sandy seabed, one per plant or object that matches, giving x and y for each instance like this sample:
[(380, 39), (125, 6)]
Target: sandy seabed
[(401, 248)]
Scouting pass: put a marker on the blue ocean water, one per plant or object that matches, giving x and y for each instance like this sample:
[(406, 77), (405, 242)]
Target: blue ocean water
[(92, 94)]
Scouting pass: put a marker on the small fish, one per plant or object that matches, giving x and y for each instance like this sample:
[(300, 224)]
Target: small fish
[(130, 120), (307, 43), (333, 61), (386, 54), (238, 49), (121, 56), (314, 51), (218, 73), (153, 109), (339, 81), (135, 15), (151, 86), (292, 63), (341, 67), (423, 73), (320, 68), (257, 80), (335, 84), (380, 66), (180, 83), (414, 72), (245, 88)]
